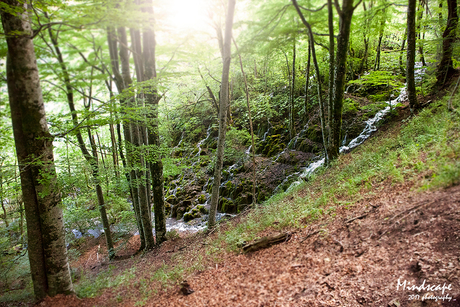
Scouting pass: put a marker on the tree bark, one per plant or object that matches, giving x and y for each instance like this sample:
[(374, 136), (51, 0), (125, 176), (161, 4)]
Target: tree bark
[(330, 105), (311, 42), (91, 159), (291, 106), (151, 100), (445, 66), (419, 32), (410, 63), (307, 83), (401, 67), (222, 113), (346, 15), (253, 146), (34, 148)]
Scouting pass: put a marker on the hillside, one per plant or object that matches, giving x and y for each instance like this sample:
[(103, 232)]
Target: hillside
[(386, 212)]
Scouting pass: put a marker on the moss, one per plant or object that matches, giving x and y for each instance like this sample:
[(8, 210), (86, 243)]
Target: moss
[(227, 206), (202, 199), (188, 217), (202, 209)]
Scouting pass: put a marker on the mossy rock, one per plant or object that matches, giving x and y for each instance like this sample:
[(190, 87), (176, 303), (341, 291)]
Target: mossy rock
[(202, 199), (307, 145), (202, 209), (172, 199), (227, 206), (227, 189), (168, 208), (191, 215), (261, 196), (314, 134), (180, 212)]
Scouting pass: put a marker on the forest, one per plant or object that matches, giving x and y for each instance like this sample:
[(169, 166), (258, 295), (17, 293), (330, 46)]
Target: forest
[(229, 153)]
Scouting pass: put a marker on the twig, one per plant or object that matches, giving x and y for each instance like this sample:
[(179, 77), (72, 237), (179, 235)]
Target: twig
[(356, 218), (310, 234)]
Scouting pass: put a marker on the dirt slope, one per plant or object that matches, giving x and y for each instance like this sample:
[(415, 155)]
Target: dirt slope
[(399, 236), (353, 259)]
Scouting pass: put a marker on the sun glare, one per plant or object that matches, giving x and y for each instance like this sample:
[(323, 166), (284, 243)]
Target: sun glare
[(188, 14)]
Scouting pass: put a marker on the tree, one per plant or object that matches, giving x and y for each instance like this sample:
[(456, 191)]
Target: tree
[(92, 159), (445, 66), (410, 64), (345, 16), (222, 113), (46, 244), (151, 99)]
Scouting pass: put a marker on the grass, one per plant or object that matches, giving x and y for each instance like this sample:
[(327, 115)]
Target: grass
[(423, 150)]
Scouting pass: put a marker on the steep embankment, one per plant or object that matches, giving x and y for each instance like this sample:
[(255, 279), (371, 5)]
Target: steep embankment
[(388, 211)]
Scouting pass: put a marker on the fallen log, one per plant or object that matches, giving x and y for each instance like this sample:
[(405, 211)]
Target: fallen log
[(266, 242)]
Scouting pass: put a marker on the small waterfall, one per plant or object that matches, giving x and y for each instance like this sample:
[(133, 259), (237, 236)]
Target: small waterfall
[(365, 134), (198, 154)]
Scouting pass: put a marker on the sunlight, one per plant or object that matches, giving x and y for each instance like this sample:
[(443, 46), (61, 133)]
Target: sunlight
[(188, 15)]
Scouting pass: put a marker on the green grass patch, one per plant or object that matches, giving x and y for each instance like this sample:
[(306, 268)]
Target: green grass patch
[(424, 150)]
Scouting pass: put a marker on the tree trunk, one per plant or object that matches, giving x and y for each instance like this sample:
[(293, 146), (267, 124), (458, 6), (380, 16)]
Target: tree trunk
[(318, 81), (410, 64), (222, 113), (330, 105), (445, 66), (377, 56), (291, 106), (253, 146), (346, 16), (1, 195), (151, 100), (92, 160), (307, 83), (401, 67), (34, 148), (419, 31)]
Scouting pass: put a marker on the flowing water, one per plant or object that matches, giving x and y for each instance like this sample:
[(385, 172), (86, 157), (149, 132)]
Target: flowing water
[(296, 178)]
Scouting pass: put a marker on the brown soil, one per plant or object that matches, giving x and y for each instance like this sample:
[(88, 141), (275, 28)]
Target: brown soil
[(353, 259)]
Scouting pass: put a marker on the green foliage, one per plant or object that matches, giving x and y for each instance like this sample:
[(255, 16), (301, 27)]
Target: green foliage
[(91, 286), (428, 145), (172, 235)]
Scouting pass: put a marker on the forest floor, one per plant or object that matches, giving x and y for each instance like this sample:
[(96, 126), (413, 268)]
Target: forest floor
[(356, 258), (376, 226)]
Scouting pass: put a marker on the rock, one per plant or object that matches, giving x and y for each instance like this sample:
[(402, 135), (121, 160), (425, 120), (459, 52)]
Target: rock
[(168, 208), (227, 206), (202, 199), (314, 134)]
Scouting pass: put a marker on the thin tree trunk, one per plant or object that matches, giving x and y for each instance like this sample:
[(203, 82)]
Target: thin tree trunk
[(410, 65), (253, 147), (315, 63), (152, 100), (330, 105), (1, 195), (292, 104), (307, 83), (346, 15), (86, 154), (401, 67), (445, 66), (46, 244), (131, 135), (419, 30), (222, 113)]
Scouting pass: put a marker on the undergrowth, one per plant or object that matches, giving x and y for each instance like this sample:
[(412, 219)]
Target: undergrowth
[(423, 150)]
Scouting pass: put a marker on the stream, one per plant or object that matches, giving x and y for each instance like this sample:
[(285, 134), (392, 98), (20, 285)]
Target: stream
[(293, 179)]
